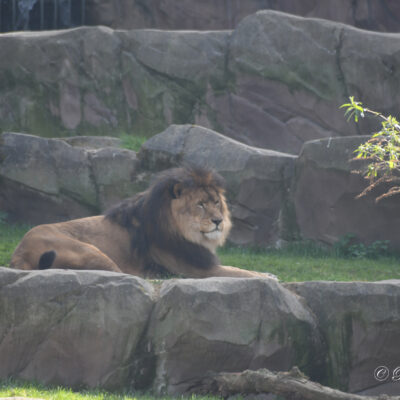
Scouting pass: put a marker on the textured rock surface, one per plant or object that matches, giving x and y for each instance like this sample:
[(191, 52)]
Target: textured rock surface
[(108, 330), (71, 328), (210, 14), (360, 323), (45, 180), (257, 180), (325, 193), (228, 325), (261, 84), (105, 81)]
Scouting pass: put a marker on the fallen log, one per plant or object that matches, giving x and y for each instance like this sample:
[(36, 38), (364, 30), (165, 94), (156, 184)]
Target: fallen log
[(289, 385)]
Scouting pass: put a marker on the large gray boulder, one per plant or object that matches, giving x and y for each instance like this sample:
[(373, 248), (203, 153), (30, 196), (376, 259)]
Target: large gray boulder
[(71, 328), (227, 324), (283, 97), (325, 196), (210, 14), (360, 323), (116, 331), (261, 84), (257, 179), (103, 81), (47, 180), (47, 165)]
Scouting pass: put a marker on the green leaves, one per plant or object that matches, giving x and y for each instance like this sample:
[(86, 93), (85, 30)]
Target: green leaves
[(382, 150), (354, 109)]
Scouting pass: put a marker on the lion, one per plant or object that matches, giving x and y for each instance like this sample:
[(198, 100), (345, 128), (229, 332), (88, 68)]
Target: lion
[(174, 227)]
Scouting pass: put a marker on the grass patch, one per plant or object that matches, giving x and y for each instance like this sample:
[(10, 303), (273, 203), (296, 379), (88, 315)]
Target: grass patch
[(132, 142), (11, 388), (10, 235), (302, 262)]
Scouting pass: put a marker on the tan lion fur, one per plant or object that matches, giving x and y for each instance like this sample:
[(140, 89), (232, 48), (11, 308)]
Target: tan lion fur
[(173, 227)]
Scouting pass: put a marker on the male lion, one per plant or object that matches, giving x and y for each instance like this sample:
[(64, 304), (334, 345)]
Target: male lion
[(173, 227)]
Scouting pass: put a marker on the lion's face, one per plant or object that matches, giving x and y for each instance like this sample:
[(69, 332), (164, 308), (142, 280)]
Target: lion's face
[(202, 216)]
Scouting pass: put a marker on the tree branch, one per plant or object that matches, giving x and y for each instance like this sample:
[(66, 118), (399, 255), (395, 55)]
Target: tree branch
[(290, 385)]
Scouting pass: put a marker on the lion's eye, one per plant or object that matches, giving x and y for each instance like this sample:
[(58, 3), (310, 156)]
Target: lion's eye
[(201, 205)]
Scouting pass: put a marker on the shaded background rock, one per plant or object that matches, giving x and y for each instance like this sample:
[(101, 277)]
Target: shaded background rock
[(228, 325), (261, 84), (257, 180), (325, 196), (360, 323), (47, 180), (380, 15), (71, 328), (282, 95)]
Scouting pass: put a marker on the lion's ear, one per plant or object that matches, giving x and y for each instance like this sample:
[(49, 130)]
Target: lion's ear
[(176, 190)]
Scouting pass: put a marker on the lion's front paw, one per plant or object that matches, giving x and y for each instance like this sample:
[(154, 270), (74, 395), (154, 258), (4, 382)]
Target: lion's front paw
[(269, 276)]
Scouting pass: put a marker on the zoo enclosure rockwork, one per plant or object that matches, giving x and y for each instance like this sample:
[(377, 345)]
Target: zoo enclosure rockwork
[(108, 330), (380, 15), (273, 196), (261, 83)]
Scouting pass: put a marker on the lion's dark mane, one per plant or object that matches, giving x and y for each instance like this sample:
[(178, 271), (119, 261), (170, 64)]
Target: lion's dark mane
[(147, 218)]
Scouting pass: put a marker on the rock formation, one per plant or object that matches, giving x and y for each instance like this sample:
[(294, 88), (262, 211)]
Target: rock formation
[(108, 330), (325, 194), (210, 15), (257, 180), (275, 82), (71, 328), (47, 180)]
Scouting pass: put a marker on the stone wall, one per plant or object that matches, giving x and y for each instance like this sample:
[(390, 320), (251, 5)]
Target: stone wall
[(275, 82), (115, 331), (325, 194), (47, 180), (210, 14)]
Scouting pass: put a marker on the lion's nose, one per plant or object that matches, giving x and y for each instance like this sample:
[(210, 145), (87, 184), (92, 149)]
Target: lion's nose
[(217, 222)]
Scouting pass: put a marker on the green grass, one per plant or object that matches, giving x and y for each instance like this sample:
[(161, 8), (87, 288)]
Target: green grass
[(298, 262), (132, 142), (306, 263), (291, 267), (12, 388), (10, 235)]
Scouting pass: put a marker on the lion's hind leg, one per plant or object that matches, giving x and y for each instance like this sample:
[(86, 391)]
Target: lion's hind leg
[(46, 260), (38, 251), (74, 254)]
